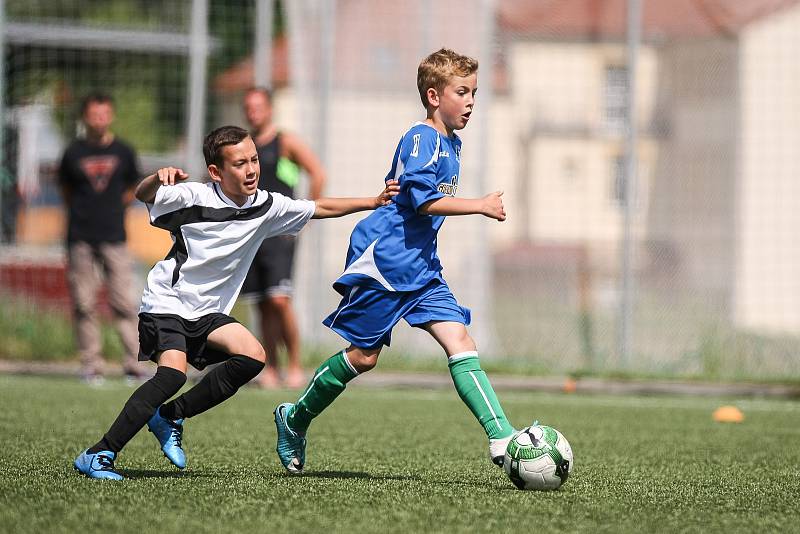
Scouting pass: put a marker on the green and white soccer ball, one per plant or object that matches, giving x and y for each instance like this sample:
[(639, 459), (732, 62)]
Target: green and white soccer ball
[(538, 458)]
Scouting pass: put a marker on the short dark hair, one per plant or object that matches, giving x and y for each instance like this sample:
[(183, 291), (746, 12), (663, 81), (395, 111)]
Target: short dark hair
[(260, 89), (219, 138), (95, 97)]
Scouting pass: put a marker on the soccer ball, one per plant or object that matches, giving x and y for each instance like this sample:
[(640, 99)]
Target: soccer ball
[(538, 458)]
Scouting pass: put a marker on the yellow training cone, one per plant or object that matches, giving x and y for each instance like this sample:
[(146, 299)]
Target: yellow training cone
[(728, 414)]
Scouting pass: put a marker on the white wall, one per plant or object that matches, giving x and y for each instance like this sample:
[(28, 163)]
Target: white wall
[(693, 197), (558, 96), (564, 83), (768, 262)]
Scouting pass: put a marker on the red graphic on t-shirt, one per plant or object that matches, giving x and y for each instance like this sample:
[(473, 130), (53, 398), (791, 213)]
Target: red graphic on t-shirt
[(98, 170)]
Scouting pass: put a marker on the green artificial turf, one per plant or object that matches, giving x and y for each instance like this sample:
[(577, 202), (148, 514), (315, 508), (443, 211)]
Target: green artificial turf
[(384, 460)]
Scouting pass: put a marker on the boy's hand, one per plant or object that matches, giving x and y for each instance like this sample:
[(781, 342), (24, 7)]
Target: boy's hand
[(493, 206), (385, 198), (171, 175)]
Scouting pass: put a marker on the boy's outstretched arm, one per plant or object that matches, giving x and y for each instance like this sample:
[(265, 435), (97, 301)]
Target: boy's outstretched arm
[(491, 206), (146, 190), (336, 207)]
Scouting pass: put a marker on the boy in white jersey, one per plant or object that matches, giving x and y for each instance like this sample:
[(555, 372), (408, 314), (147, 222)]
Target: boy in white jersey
[(392, 271), (216, 227)]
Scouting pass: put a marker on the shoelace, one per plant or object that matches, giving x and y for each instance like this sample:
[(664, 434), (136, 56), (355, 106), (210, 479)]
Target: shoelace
[(106, 462), (175, 433)]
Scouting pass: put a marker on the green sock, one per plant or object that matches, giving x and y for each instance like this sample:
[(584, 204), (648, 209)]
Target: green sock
[(329, 381), (477, 393)]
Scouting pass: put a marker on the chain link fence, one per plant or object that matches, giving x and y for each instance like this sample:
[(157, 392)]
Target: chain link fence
[(651, 229)]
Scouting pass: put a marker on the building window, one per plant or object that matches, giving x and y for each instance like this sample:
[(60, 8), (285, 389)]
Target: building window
[(616, 98)]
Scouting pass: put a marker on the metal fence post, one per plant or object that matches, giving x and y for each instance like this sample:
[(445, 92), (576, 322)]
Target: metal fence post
[(196, 110), (483, 267), (631, 140), (262, 57)]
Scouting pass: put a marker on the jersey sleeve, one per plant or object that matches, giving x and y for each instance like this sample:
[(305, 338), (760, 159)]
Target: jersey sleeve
[(419, 155), (287, 215), (170, 198)]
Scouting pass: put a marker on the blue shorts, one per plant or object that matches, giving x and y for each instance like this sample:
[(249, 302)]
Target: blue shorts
[(365, 316)]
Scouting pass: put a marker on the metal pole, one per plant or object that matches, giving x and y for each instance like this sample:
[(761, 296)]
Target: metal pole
[(426, 22), (326, 55), (296, 16), (196, 109), (262, 58), (631, 140), (523, 189), (483, 268)]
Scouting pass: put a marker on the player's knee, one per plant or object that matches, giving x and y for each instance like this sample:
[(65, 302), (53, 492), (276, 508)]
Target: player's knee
[(122, 310), (82, 310), (245, 368), (363, 360), (463, 342), (365, 363), (257, 353), (250, 348), (169, 380), (280, 303)]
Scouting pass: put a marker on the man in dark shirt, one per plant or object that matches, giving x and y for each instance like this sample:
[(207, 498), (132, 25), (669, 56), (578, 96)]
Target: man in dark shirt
[(282, 156), (9, 190), (98, 174)]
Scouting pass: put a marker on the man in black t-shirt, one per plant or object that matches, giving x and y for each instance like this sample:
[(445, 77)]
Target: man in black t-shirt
[(9, 190), (98, 174), (282, 157)]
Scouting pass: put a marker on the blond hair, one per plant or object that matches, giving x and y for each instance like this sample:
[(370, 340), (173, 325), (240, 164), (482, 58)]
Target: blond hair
[(437, 69)]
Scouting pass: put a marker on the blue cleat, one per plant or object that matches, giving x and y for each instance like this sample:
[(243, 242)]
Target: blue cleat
[(97, 465), (169, 434), (291, 447)]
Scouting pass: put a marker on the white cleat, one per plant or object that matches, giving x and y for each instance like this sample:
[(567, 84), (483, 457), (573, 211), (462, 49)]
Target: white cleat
[(497, 449)]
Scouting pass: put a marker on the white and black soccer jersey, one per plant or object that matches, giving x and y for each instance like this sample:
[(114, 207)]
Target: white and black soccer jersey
[(214, 242)]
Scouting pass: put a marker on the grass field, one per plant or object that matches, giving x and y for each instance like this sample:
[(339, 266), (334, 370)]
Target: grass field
[(400, 461)]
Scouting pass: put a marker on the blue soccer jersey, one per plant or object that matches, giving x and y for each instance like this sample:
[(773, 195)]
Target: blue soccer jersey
[(394, 248)]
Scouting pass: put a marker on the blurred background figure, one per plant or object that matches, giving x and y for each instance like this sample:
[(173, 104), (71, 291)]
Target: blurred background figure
[(269, 282), (97, 175), (9, 192)]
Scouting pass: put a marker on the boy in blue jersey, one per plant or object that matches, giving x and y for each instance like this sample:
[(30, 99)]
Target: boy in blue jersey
[(393, 272)]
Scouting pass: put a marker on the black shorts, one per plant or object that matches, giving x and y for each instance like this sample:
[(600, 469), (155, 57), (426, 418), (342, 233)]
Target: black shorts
[(271, 271), (163, 331)]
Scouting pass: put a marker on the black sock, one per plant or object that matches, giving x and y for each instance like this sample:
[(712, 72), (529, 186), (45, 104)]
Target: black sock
[(219, 384), (140, 408)]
